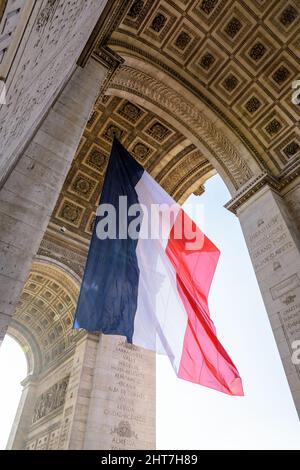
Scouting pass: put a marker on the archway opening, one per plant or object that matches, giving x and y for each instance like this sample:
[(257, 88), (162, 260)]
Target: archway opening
[(14, 367), (266, 416)]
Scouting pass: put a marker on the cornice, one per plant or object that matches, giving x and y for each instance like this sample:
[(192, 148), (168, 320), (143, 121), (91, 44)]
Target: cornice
[(251, 188), (290, 173), (111, 60), (110, 18)]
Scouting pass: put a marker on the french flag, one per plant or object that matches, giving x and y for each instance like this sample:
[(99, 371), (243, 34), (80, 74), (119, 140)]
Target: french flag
[(148, 276)]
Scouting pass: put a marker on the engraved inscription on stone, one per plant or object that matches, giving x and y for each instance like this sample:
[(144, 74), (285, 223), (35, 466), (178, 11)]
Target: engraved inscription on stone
[(287, 292), (275, 259), (127, 395), (270, 240), (126, 390)]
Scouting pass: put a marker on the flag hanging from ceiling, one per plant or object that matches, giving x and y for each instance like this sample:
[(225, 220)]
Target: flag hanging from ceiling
[(148, 276)]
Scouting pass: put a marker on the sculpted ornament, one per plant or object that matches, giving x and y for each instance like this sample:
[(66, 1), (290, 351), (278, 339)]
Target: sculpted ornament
[(50, 400), (124, 430)]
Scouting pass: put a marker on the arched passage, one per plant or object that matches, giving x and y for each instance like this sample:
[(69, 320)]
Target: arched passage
[(42, 326), (217, 78), (43, 319)]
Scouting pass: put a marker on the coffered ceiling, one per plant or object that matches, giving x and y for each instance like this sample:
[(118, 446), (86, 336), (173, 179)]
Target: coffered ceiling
[(175, 163), (45, 311), (238, 57)]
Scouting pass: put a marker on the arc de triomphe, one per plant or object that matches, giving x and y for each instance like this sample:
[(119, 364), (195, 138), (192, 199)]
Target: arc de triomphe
[(191, 87)]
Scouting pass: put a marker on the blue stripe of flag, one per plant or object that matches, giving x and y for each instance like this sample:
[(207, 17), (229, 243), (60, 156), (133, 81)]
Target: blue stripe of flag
[(108, 297)]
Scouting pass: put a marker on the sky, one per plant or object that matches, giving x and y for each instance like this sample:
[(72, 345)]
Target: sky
[(190, 416)]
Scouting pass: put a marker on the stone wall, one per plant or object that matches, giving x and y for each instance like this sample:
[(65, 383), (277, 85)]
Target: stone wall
[(102, 397), (273, 243), (30, 193), (55, 35)]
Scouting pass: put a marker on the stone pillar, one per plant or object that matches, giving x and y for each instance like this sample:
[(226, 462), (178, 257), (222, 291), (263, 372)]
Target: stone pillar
[(122, 405), (30, 192), (110, 400), (24, 415), (291, 195), (78, 394), (273, 243)]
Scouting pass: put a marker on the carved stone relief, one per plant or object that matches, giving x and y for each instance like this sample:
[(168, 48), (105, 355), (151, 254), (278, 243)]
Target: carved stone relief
[(50, 400)]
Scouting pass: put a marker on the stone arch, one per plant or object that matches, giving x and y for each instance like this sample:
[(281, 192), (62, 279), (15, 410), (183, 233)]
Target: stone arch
[(141, 83), (72, 275), (42, 324)]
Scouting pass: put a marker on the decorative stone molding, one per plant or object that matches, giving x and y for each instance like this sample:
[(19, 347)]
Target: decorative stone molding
[(109, 59), (290, 173), (12, 24), (250, 189), (237, 66), (2, 8), (150, 89), (199, 191), (44, 62), (109, 21), (67, 256), (255, 184)]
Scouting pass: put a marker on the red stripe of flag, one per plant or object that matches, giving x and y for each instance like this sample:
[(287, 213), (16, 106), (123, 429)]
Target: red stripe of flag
[(204, 360)]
